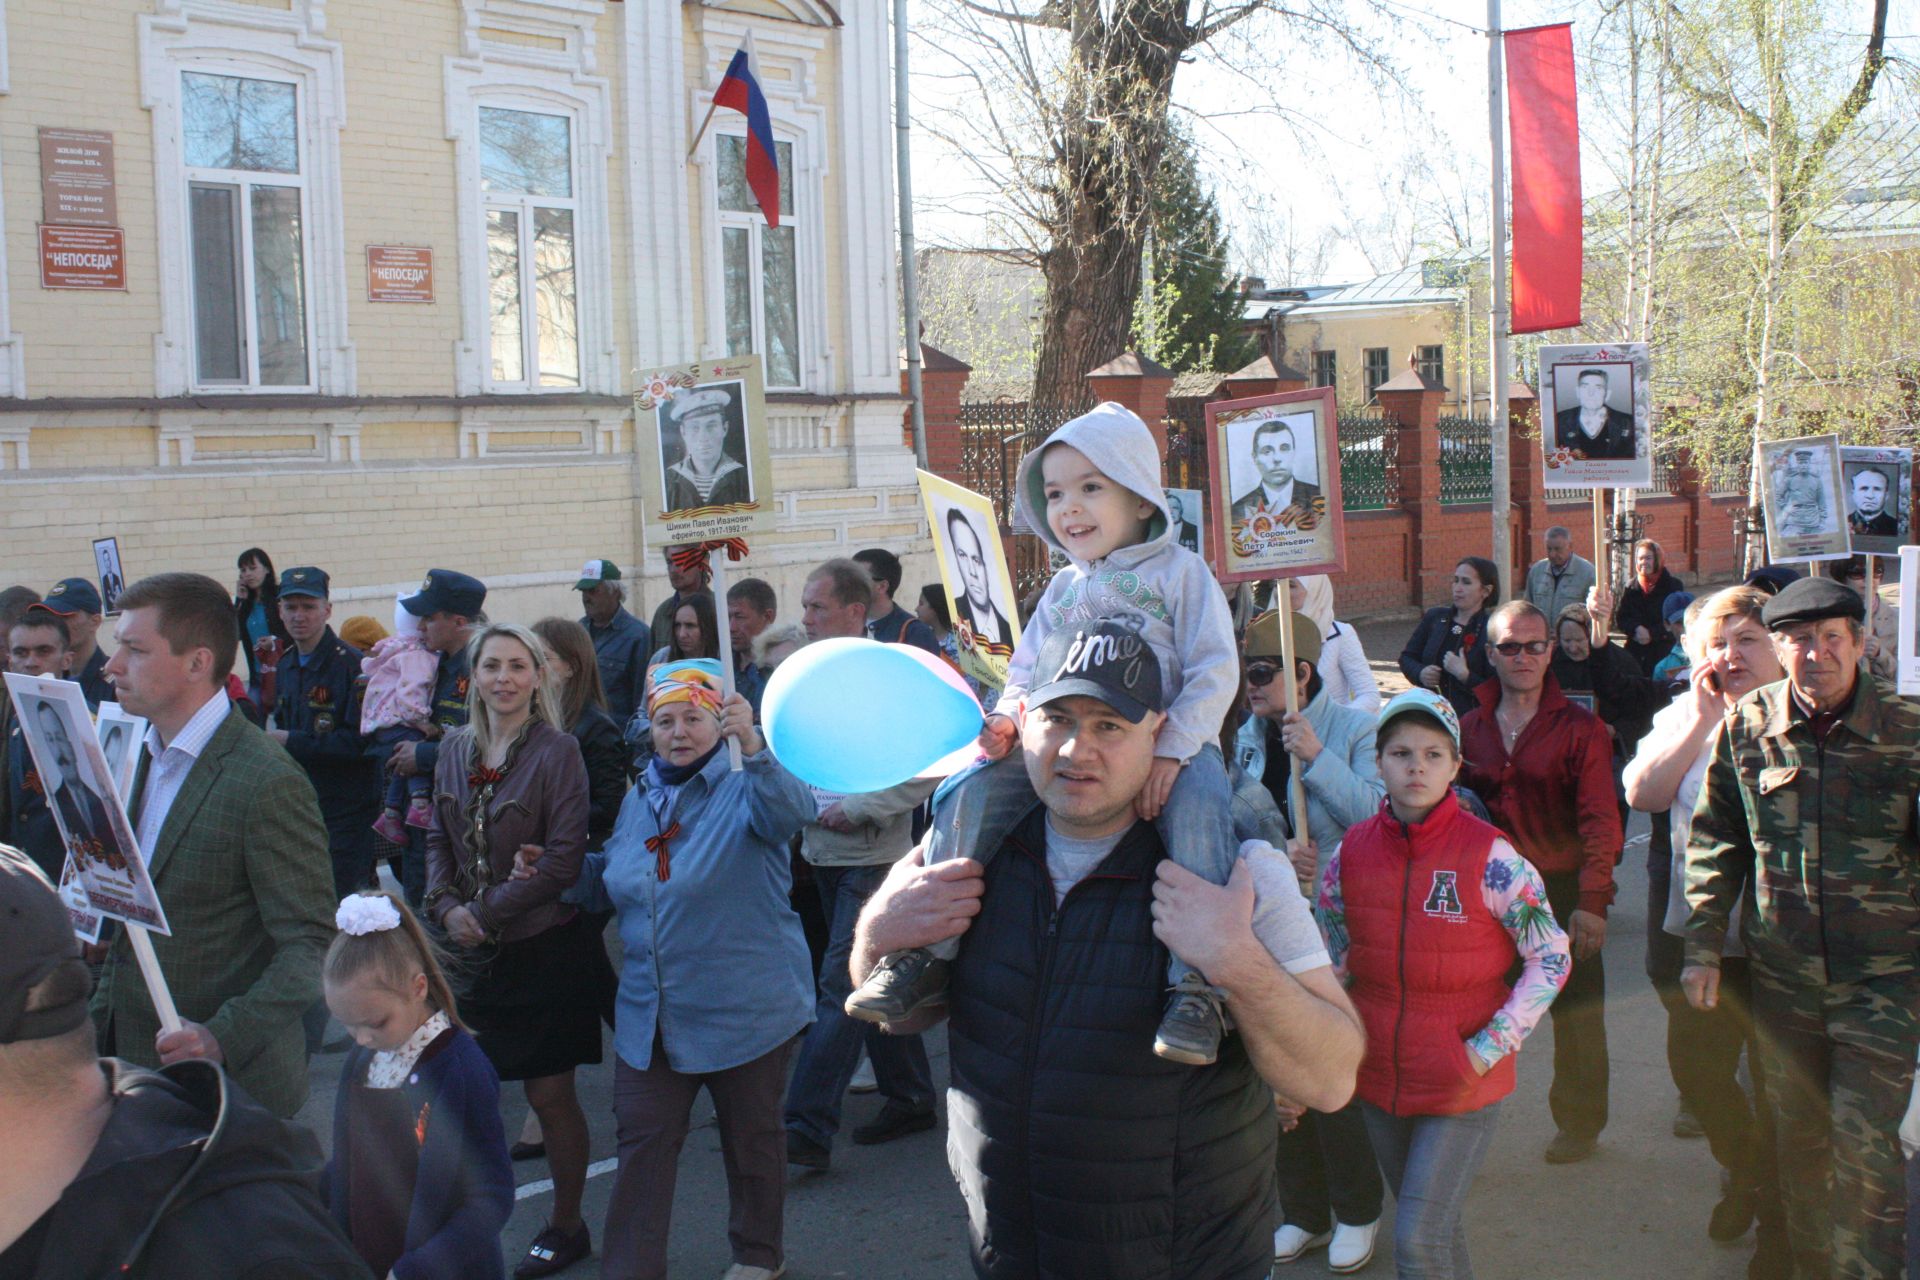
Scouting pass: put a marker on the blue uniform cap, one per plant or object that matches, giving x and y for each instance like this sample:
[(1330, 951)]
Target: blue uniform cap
[(447, 591)]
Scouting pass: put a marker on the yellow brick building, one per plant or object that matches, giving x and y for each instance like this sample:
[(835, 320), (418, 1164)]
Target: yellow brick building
[(258, 380)]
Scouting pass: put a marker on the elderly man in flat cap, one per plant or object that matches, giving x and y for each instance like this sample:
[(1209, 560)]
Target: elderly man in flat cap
[(706, 475), (1808, 814)]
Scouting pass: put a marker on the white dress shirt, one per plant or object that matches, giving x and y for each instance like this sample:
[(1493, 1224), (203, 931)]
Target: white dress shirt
[(169, 764)]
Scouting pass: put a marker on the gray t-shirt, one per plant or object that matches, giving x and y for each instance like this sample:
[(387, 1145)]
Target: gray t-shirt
[(1281, 918)]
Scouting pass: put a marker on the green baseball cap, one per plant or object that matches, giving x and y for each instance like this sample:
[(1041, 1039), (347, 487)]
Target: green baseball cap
[(595, 572)]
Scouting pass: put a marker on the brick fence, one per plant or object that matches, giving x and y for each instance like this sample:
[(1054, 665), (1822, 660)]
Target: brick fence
[(1403, 556)]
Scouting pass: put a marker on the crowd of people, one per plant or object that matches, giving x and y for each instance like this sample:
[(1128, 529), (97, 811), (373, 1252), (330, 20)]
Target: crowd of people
[(1217, 975)]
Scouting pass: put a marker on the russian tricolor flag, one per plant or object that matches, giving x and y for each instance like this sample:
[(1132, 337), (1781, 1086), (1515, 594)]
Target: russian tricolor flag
[(740, 91)]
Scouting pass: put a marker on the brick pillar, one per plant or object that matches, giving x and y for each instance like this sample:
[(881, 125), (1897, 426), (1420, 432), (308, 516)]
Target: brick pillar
[(943, 381), (1527, 477), (1264, 377), (1139, 384), (1414, 402)]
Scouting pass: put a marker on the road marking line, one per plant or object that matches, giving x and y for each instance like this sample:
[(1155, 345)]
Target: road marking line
[(528, 1190)]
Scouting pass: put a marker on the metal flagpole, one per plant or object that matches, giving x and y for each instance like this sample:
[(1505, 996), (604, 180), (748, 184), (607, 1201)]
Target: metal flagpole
[(909, 268), (1497, 318)]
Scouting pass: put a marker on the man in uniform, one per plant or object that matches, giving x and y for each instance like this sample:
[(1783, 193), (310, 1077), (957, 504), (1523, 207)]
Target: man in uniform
[(1808, 814), (448, 605), (1802, 500), (621, 642), (77, 603), (1592, 426), (319, 691)]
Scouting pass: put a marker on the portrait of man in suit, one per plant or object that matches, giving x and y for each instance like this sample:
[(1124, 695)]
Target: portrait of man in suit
[(1869, 487), (81, 810), (974, 605), (1281, 448), (1185, 532), (1591, 425)]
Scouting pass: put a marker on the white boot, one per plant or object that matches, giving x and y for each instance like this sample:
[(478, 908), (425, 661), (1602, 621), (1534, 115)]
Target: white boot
[(1352, 1247)]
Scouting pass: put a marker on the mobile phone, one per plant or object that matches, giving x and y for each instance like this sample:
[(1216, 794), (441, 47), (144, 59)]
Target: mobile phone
[(1713, 681)]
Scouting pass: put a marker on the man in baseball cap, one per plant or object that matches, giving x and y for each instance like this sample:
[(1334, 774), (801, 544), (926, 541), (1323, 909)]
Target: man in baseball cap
[(448, 605), (621, 642), (77, 602)]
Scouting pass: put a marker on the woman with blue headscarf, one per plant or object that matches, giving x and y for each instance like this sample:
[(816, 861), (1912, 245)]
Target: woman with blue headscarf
[(716, 983)]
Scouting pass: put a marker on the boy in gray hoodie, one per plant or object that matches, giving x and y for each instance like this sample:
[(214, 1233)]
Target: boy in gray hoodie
[(1093, 492)]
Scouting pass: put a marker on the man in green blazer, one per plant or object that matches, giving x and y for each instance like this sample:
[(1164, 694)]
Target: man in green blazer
[(237, 850)]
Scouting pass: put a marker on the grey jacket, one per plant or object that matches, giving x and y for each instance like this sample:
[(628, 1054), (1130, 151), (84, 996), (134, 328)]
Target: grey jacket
[(882, 828), (1549, 596), (1343, 782)]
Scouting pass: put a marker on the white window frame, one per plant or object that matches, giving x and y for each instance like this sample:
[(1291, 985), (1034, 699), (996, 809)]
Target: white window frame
[(523, 207), (473, 83), (243, 181), (254, 44), (755, 224)]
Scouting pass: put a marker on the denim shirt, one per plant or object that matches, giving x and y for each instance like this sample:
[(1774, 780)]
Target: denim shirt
[(620, 650), (715, 957)]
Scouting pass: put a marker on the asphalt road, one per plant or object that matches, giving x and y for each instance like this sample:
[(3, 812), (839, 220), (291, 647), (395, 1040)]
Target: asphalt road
[(1638, 1207)]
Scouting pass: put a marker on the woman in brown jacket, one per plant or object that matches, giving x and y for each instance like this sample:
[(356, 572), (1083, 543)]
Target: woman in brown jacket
[(512, 777)]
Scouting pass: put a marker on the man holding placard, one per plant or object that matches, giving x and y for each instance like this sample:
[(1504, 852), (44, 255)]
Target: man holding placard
[(235, 846)]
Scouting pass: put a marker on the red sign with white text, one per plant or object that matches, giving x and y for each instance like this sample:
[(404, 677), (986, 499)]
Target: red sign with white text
[(397, 273), (83, 257)]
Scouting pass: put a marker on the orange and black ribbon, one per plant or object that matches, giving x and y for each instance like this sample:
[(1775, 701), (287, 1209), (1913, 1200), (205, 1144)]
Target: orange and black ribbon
[(662, 854), (694, 554)]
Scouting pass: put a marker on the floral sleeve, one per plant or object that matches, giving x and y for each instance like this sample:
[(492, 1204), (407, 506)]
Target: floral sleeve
[(1332, 913), (1517, 897)]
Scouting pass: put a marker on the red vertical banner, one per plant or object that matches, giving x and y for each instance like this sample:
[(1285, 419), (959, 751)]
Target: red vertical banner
[(1543, 126)]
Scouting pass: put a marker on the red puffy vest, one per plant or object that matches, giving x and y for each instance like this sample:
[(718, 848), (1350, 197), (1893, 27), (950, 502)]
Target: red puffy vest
[(1427, 961)]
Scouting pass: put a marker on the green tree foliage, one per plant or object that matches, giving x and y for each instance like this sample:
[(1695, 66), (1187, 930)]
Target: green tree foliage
[(1188, 313)]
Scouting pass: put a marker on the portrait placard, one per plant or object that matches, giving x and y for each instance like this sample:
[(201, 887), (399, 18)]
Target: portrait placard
[(87, 922), (1275, 466), (1877, 486), (1909, 630), (1596, 416), (113, 578), (1800, 487), (120, 736), (701, 433), (973, 566), (1187, 507), (84, 801)]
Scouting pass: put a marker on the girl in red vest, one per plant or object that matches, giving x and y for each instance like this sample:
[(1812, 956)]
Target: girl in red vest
[(1425, 908)]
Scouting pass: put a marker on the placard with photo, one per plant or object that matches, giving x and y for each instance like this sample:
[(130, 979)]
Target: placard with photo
[(973, 567), (1596, 416), (700, 431), (1800, 487), (1877, 487), (84, 801), (113, 578), (1275, 475), (120, 736), (1186, 509)]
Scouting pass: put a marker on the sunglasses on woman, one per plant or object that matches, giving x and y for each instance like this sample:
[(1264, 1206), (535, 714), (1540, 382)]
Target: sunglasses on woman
[(1261, 674), (1512, 648)]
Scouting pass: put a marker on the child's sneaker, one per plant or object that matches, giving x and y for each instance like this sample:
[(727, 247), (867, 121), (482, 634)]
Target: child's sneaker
[(420, 813), (1190, 1029), (389, 827), (902, 984)]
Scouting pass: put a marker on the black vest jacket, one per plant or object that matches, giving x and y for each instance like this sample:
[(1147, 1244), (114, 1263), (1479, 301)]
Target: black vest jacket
[(1079, 1152)]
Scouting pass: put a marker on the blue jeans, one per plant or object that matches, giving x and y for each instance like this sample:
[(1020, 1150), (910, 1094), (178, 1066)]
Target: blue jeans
[(400, 790), (971, 818), (831, 1050), (1430, 1162)]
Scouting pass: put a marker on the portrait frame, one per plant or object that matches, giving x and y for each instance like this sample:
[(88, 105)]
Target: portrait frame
[(113, 576), (1908, 671), (726, 511), (1785, 499), (1628, 366), (109, 864), (111, 722), (1896, 465), (1193, 510), (984, 657), (1251, 543)]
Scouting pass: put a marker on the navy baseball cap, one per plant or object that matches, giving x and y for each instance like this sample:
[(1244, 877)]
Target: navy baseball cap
[(305, 581), (1107, 661), (447, 591), (69, 597)]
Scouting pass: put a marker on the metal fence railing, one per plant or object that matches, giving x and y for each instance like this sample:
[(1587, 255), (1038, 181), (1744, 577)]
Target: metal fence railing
[(1369, 461), (994, 436), (1466, 460)]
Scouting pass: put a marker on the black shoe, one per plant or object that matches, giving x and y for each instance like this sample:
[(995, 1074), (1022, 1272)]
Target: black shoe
[(1190, 1029), (1568, 1149), (807, 1153), (553, 1251), (896, 1120), (1730, 1217), (1686, 1124), (527, 1151), (902, 984)]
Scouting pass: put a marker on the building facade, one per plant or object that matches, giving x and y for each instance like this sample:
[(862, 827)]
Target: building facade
[(366, 282)]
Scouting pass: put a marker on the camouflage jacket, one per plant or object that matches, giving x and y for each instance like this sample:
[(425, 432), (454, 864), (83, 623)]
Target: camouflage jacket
[(1821, 835)]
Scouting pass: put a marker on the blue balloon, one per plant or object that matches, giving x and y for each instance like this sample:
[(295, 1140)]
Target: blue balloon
[(852, 716)]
